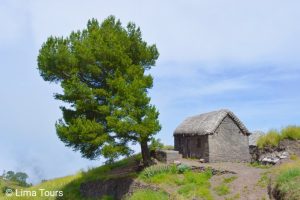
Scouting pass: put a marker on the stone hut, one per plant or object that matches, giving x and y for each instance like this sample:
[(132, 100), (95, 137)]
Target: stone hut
[(217, 136)]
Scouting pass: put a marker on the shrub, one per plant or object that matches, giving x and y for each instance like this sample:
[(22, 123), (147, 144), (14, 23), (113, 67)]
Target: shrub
[(158, 169), (271, 139), (183, 168), (291, 133)]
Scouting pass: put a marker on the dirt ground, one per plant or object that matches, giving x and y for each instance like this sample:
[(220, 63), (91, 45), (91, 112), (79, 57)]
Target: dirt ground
[(247, 185)]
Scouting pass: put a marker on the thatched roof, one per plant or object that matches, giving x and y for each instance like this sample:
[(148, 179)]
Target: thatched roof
[(207, 123)]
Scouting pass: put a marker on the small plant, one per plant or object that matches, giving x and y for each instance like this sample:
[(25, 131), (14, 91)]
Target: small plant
[(155, 144), (158, 169), (183, 168)]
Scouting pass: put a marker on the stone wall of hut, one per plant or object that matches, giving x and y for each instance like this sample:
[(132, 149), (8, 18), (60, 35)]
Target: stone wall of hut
[(228, 143)]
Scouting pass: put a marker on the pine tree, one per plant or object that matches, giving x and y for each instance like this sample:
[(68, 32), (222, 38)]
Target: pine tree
[(102, 70)]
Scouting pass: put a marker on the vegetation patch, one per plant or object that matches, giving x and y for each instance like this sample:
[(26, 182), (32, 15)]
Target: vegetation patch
[(186, 183), (264, 180), (149, 195), (259, 165), (222, 189), (273, 137), (229, 179), (287, 181)]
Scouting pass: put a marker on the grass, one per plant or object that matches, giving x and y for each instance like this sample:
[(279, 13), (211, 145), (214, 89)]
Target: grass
[(287, 180), (291, 132), (229, 179), (70, 184), (222, 189), (259, 165), (273, 137), (149, 195), (263, 180), (187, 185)]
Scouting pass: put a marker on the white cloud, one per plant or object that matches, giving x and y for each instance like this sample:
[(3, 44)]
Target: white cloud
[(209, 32), (12, 20)]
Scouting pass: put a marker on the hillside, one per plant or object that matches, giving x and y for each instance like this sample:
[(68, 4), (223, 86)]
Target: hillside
[(189, 180)]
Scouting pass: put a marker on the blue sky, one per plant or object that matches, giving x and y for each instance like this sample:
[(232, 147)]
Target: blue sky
[(241, 55)]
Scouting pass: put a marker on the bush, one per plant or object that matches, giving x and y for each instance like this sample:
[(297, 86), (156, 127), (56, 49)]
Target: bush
[(158, 169), (271, 139), (291, 133), (183, 168)]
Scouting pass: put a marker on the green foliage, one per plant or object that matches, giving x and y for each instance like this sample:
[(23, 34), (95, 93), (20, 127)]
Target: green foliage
[(102, 71), (263, 180), (271, 139), (291, 133), (70, 185), (287, 180), (196, 185), (155, 144), (183, 168), (222, 189), (148, 195), (188, 185), (157, 169)]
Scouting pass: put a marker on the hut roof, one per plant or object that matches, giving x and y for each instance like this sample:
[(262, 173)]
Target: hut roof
[(207, 123)]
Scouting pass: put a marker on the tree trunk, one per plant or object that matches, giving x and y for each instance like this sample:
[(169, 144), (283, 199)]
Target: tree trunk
[(145, 153)]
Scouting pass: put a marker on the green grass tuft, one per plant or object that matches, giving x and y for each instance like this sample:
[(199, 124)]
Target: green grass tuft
[(291, 133), (271, 139)]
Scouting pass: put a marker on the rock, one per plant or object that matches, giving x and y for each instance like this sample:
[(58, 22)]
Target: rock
[(201, 160), (177, 162)]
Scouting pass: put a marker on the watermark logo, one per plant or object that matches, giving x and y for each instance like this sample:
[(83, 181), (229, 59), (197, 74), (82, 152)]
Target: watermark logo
[(9, 192)]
